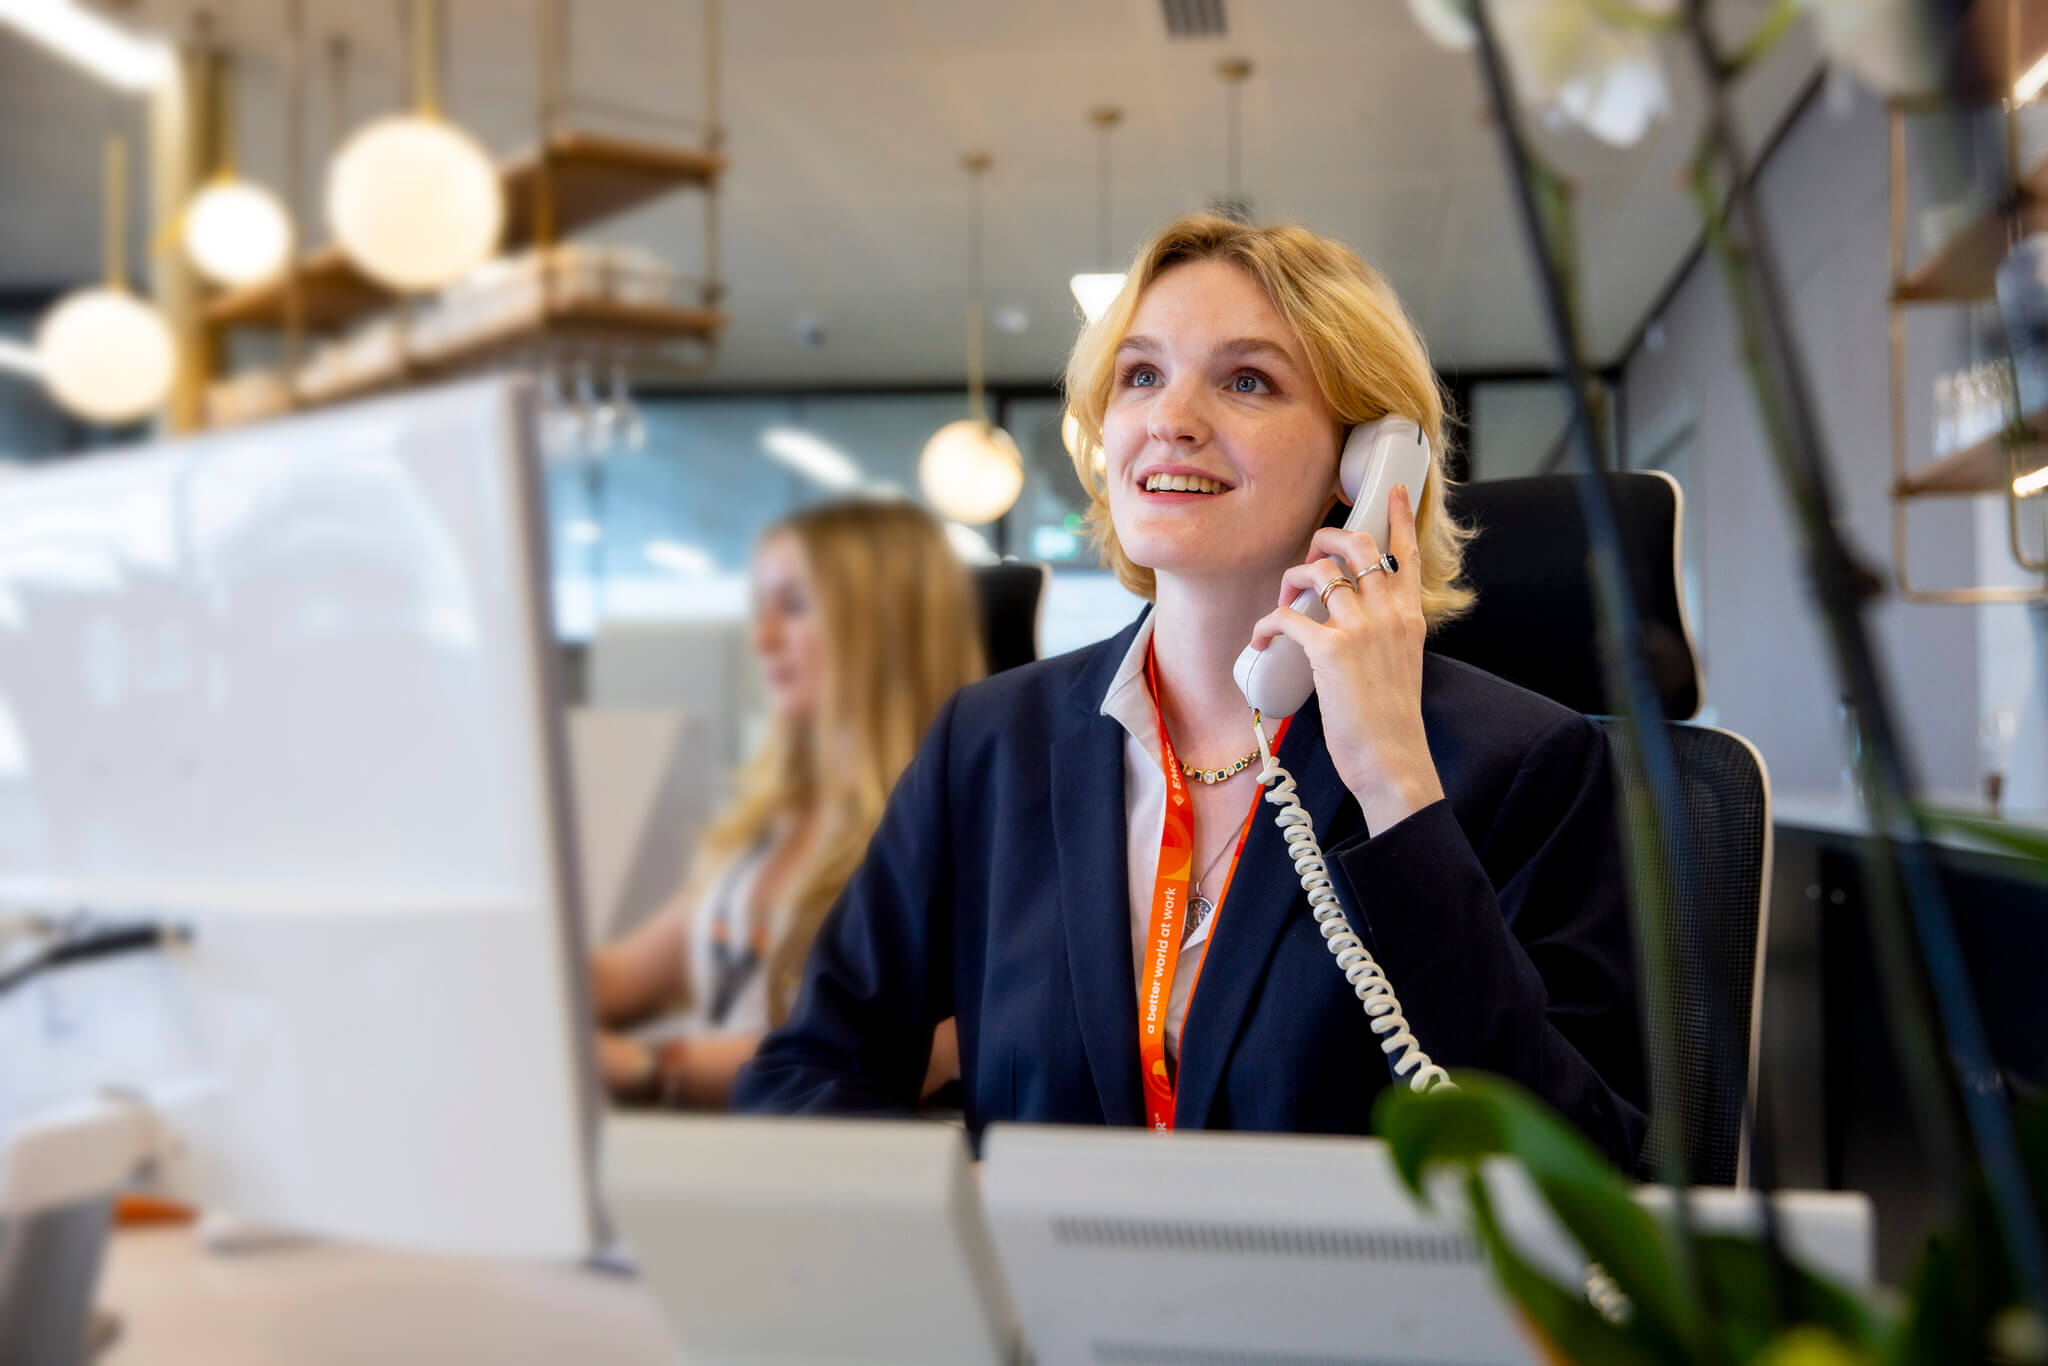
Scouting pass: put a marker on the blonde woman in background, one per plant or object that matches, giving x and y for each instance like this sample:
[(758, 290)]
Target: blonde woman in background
[(864, 623)]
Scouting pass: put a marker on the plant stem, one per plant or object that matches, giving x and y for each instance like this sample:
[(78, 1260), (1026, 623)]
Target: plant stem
[(1899, 867), (1660, 844)]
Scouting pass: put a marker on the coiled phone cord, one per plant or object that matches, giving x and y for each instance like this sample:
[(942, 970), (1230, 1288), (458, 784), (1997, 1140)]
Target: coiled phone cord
[(1367, 979)]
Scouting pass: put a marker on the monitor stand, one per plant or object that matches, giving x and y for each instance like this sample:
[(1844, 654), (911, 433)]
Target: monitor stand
[(58, 1178), (49, 1269)]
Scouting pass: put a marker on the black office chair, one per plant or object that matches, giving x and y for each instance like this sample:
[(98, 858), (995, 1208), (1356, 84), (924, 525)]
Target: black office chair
[(1534, 624), (1012, 597)]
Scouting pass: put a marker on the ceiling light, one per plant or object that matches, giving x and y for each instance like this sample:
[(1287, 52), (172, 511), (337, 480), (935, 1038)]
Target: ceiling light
[(971, 471), (86, 40), (106, 355), (1095, 293), (237, 233), (1234, 71), (2029, 85), (19, 358), (413, 200), (683, 559), (2028, 484), (809, 456)]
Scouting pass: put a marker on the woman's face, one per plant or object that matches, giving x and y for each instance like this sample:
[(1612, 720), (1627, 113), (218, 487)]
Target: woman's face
[(788, 638), (1212, 386)]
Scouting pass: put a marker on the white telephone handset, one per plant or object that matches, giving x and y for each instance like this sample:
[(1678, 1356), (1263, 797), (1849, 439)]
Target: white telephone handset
[(1377, 456), (1276, 681)]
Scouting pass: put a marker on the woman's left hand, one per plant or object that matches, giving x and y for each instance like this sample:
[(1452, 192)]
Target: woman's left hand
[(1367, 662)]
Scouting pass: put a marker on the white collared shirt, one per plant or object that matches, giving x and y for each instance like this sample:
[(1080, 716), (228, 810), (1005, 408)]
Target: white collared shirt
[(1129, 701)]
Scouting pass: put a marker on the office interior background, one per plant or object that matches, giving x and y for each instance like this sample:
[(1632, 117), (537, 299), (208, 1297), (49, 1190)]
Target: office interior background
[(842, 239)]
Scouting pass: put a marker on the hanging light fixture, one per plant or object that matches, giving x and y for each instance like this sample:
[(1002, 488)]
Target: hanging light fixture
[(1095, 291), (1233, 70), (107, 356), (412, 199), (971, 470), (236, 232)]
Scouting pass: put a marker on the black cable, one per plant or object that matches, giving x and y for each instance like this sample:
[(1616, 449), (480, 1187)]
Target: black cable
[(88, 946)]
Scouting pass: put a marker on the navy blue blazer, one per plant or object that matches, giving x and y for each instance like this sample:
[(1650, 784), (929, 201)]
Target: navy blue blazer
[(995, 891)]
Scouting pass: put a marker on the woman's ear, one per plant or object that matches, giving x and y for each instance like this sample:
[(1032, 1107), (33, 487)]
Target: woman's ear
[(1337, 475)]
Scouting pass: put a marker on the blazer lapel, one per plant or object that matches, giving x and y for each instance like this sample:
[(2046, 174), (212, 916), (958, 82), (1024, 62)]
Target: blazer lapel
[(1088, 834), (1265, 895)]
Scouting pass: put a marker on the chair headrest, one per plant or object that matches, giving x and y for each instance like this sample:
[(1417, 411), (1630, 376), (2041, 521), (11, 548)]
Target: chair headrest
[(1012, 596), (1535, 622)]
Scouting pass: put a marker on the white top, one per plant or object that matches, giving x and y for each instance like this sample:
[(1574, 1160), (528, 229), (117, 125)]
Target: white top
[(727, 899), (1130, 702)]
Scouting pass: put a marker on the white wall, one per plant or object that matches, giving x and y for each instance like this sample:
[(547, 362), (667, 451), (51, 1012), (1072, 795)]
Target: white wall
[(1824, 195)]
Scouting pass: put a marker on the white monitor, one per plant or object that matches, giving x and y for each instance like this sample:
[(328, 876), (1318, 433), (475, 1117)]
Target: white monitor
[(768, 1242), (1122, 1246), (292, 688)]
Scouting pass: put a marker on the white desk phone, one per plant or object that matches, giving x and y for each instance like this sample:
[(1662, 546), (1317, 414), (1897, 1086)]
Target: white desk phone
[(1276, 681)]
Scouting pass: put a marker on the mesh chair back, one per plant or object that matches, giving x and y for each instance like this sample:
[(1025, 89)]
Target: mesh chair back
[(1716, 908)]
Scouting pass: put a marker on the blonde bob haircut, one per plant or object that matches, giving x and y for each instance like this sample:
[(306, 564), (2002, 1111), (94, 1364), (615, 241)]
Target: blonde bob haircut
[(1367, 359)]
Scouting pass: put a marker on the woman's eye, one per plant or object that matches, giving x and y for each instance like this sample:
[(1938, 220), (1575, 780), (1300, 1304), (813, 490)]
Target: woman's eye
[(1142, 377), (1248, 383)]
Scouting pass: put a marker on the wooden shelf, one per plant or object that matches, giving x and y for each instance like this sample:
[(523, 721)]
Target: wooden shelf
[(1965, 268), (600, 322), (597, 177), (594, 177), (333, 292), (1977, 469)]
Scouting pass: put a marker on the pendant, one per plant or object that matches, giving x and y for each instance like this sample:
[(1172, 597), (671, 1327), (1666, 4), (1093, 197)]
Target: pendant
[(1198, 911)]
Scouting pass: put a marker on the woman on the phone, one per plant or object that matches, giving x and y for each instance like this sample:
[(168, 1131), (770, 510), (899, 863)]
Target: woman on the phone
[(1469, 825)]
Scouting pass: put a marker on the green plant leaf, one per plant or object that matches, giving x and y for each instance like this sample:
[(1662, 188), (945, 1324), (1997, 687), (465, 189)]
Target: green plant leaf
[(1487, 1116), (1752, 1305), (1570, 1327), (2029, 843)]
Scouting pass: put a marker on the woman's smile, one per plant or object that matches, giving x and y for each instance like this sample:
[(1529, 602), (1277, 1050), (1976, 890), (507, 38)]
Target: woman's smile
[(1180, 484)]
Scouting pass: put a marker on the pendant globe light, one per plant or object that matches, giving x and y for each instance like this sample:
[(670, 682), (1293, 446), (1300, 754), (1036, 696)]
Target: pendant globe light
[(107, 356), (1233, 70), (413, 200), (236, 232), (971, 470), (1094, 291)]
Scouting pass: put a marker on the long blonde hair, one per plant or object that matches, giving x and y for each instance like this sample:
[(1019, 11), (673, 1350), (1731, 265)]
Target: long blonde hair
[(901, 634), (1365, 355)]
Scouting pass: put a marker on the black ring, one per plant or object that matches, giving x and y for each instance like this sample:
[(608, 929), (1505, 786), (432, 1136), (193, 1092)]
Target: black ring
[(1390, 564)]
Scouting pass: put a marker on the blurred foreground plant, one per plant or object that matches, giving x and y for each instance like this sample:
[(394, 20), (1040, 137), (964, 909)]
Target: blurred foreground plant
[(1962, 1305), (1982, 1292)]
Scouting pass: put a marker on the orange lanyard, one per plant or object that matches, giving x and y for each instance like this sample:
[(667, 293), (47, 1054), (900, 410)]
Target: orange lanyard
[(1169, 909)]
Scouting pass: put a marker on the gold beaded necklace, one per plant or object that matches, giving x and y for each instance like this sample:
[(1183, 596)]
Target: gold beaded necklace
[(1217, 775)]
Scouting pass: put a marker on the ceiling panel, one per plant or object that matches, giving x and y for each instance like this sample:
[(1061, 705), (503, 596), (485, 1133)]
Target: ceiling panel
[(846, 124)]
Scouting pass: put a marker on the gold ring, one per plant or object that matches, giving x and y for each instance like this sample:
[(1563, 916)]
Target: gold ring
[(1341, 581)]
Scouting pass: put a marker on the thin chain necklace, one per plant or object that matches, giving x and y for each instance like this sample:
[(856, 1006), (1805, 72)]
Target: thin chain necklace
[(1200, 906)]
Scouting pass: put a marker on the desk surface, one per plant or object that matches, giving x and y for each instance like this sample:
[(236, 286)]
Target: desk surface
[(1839, 813), (312, 1304)]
